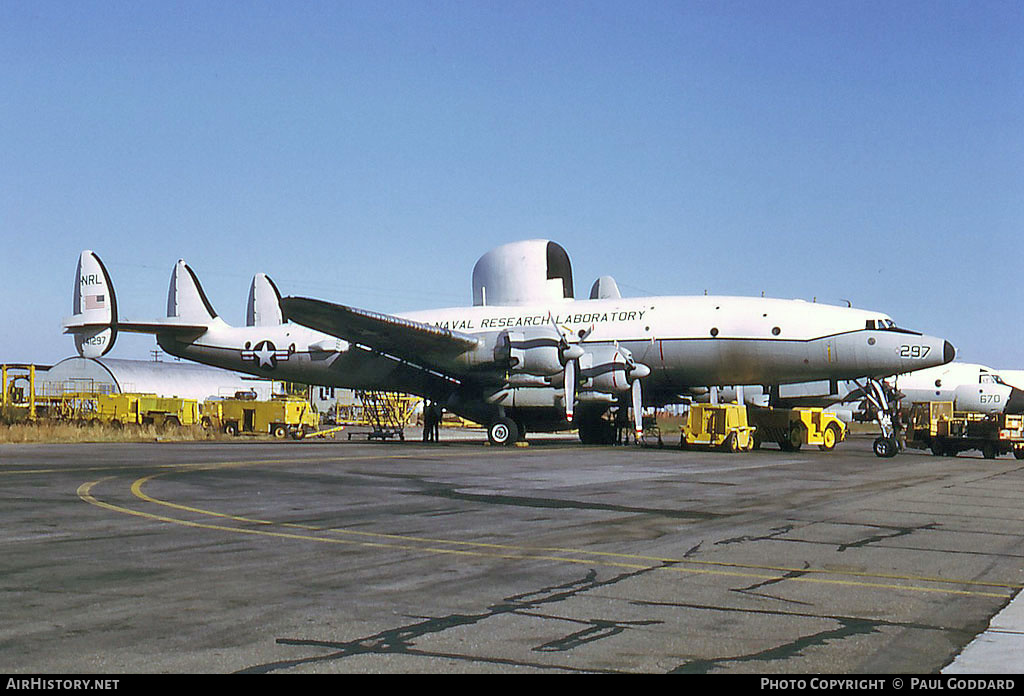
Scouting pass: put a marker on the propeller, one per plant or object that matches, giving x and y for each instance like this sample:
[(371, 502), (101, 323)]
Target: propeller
[(634, 373), (570, 353)]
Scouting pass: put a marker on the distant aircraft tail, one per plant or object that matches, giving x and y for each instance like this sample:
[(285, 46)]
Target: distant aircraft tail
[(264, 308), (94, 313)]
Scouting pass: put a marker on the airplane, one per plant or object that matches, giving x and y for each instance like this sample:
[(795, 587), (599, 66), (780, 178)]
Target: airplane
[(526, 356), (971, 387)]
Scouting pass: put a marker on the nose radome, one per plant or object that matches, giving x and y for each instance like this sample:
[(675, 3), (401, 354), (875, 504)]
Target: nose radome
[(948, 352)]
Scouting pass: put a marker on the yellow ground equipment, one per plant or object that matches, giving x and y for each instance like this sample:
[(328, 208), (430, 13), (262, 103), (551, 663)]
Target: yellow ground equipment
[(792, 428), (722, 426), (280, 416), (18, 401), (144, 409), (934, 425)]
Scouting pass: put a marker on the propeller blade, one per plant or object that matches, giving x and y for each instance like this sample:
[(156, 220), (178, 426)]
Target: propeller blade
[(638, 408), (570, 389)]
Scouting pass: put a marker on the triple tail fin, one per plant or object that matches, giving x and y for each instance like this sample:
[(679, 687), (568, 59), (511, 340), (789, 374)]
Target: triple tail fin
[(264, 308), (94, 313), (95, 324), (186, 300)]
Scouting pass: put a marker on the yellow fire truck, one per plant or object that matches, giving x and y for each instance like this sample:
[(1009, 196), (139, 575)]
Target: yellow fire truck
[(145, 409)]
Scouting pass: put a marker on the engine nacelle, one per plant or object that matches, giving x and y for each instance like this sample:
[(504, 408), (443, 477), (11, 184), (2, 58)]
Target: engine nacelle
[(604, 369), (537, 352)]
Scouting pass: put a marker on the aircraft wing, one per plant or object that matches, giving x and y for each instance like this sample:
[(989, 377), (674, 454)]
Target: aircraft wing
[(410, 340)]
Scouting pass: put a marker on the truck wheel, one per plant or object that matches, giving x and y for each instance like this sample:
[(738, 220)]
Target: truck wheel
[(988, 450), (796, 438), (231, 428), (280, 432), (730, 444), (829, 438), (1018, 453)]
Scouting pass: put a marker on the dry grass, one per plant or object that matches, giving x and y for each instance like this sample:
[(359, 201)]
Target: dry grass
[(56, 432)]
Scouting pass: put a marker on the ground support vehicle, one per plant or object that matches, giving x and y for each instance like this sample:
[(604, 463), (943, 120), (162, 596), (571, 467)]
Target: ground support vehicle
[(717, 426), (281, 416), (792, 428), (144, 409), (935, 426)]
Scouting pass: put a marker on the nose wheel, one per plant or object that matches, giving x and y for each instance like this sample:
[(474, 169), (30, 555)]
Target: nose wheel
[(886, 446), (885, 403)]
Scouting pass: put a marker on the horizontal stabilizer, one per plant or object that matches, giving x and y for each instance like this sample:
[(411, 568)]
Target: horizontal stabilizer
[(404, 338)]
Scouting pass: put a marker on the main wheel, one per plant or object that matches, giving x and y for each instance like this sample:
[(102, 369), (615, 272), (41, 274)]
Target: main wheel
[(503, 432)]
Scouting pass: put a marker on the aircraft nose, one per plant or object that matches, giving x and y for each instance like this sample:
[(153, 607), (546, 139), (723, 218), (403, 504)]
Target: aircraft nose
[(948, 352)]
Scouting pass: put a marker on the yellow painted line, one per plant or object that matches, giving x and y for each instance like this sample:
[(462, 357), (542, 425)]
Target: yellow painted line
[(486, 551), (137, 491)]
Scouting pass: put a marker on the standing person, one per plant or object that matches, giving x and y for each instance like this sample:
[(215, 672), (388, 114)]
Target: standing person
[(428, 418), (435, 420)]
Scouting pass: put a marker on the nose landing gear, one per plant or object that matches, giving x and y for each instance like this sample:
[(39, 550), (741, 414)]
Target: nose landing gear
[(885, 403)]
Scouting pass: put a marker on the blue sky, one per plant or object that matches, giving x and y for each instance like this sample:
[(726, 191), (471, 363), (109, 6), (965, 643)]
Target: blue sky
[(369, 152)]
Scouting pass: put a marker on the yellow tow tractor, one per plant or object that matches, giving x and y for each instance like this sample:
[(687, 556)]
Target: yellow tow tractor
[(281, 416), (792, 428), (717, 426)]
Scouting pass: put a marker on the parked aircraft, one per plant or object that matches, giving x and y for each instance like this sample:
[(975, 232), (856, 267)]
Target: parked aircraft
[(526, 355), (969, 386)]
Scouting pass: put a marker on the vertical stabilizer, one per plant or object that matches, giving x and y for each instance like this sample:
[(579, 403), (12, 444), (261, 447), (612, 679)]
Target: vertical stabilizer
[(264, 308), (94, 311), (186, 300)]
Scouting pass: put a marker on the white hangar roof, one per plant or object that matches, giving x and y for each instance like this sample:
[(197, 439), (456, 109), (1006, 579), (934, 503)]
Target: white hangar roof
[(185, 380)]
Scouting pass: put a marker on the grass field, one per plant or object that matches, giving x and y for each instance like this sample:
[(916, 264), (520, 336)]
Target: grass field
[(45, 431)]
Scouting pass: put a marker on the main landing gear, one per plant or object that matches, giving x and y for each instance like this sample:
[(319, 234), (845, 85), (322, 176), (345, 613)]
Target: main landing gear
[(503, 431)]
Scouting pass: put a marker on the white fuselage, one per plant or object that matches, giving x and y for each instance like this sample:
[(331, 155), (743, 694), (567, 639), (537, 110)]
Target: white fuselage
[(686, 341)]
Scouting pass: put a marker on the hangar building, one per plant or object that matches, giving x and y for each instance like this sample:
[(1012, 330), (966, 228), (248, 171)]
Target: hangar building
[(181, 379)]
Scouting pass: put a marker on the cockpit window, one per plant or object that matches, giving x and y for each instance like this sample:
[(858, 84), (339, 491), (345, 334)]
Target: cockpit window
[(870, 324), (881, 324)]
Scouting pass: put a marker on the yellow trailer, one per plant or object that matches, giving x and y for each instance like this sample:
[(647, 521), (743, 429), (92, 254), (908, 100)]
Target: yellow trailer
[(792, 428), (280, 416), (720, 426), (145, 409)]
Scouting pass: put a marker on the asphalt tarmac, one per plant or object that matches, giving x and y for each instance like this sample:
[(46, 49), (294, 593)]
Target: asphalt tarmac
[(356, 557)]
